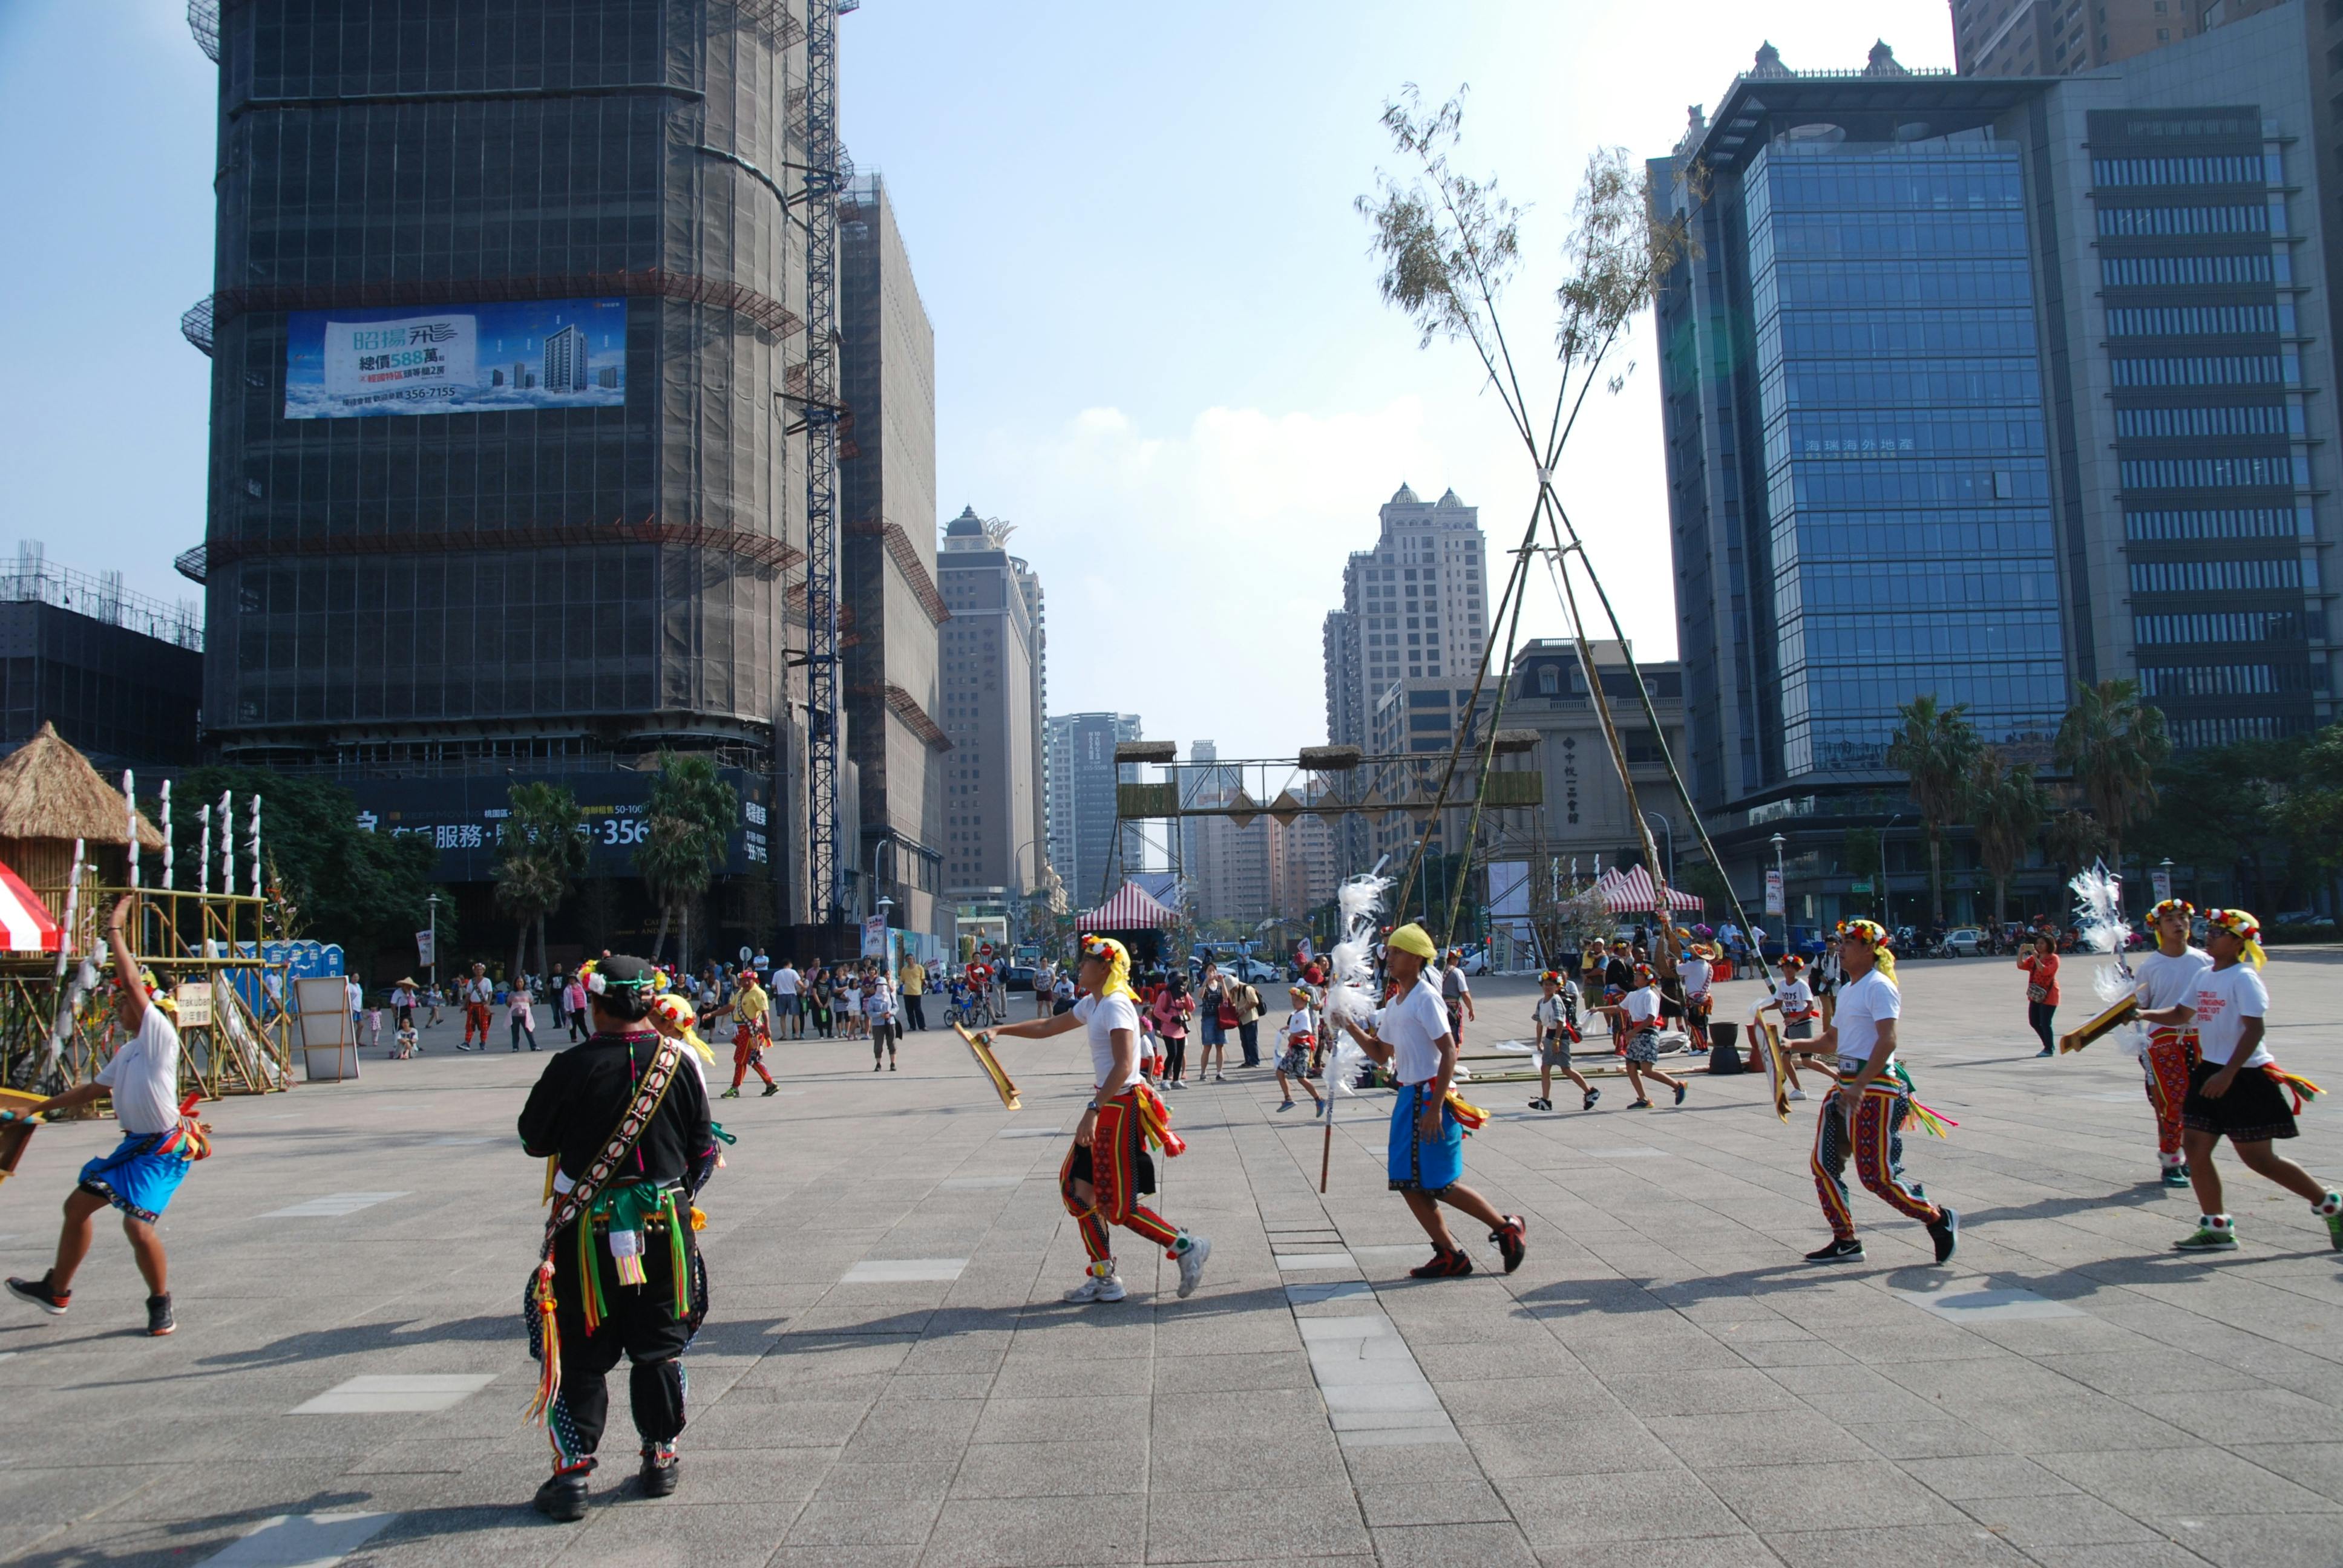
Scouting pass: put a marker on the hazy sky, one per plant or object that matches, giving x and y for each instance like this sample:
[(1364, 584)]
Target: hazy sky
[(1159, 348)]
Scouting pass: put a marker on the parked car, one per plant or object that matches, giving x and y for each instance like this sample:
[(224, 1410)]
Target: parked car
[(1020, 976), (1966, 942), (1250, 971), (1476, 960)]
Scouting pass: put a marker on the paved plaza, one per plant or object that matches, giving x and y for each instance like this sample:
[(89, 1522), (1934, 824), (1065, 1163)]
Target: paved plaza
[(889, 1377)]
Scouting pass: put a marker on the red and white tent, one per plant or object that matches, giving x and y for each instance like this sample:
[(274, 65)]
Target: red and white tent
[(1631, 891), (25, 919), (1131, 908)]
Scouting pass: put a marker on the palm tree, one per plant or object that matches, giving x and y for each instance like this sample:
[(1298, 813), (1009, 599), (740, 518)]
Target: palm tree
[(2072, 839), (540, 856), (687, 823), (1936, 748), (2112, 744), (2008, 805)]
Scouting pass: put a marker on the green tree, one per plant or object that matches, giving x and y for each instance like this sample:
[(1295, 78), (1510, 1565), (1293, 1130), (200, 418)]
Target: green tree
[(2111, 744), (350, 883), (2008, 806), (687, 823), (2220, 809), (2310, 812), (2073, 839), (1937, 750), (541, 855)]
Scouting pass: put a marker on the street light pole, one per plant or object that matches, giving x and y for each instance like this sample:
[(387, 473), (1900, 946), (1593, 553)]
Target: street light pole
[(1782, 881), (433, 901)]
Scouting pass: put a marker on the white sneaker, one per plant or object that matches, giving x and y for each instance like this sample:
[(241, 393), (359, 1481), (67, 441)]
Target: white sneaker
[(1191, 1265), (1797, 1094), (1098, 1288)]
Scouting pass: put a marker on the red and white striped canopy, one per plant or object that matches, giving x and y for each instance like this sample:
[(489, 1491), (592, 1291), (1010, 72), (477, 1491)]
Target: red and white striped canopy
[(1629, 891), (26, 921), (1131, 908)]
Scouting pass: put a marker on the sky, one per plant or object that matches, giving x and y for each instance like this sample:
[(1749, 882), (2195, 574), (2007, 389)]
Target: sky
[(1159, 351)]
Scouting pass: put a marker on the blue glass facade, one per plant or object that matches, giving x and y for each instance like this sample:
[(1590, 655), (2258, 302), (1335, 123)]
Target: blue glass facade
[(1901, 492)]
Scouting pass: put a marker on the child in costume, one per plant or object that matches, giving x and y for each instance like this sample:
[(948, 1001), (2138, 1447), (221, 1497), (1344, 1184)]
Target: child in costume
[(1293, 1059), (2167, 978), (1556, 1020), (2236, 1091)]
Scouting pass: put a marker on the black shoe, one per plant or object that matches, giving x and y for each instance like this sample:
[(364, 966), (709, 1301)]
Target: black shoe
[(563, 1496), (159, 1321), (1591, 1096), (1541, 1105), (661, 1473), (1847, 1252), (1512, 1241), (770, 1090), (37, 1291), (1680, 1092), (2045, 1051), (1947, 1233), (1444, 1265)]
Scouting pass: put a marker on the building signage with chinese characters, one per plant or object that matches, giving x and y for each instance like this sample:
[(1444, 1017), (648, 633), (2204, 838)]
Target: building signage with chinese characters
[(463, 359), (460, 817)]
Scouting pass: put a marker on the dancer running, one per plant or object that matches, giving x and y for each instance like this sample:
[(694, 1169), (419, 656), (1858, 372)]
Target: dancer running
[(626, 1125), (1867, 1110), (1425, 1160), (1109, 1166), (752, 1033), (1638, 1012), (158, 1144), (1793, 999), (1556, 1018), (1294, 1058), (2236, 1091), (2167, 978)]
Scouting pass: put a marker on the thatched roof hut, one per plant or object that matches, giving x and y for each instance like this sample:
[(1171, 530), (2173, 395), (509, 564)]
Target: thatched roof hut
[(50, 796)]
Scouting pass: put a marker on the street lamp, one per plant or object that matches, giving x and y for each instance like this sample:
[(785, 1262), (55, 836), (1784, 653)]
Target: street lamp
[(1782, 881), (433, 900)]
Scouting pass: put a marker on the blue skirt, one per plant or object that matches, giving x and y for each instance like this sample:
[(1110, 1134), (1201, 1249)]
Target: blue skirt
[(1415, 1165), (136, 1177)]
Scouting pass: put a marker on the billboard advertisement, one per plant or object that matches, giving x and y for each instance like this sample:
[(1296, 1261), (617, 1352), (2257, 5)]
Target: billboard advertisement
[(462, 818), (459, 359)]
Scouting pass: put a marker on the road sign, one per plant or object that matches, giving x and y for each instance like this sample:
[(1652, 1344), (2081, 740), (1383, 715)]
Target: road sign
[(1858, 887), (986, 950), (747, 953)]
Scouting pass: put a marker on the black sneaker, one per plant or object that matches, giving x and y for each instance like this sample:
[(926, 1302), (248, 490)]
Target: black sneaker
[(770, 1090), (1847, 1252), (563, 1495), (660, 1472), (1512, 1241), (159, 1321), (37, 1291), (1680, 1092), (1947, 1233), (1541, 1105), (1444, 1265), (1591, 1096)]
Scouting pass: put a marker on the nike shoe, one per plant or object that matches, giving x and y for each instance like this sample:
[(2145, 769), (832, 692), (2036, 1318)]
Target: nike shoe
[(1847, 1252), (38, 1292), (1541, 1105), (1946, 1232), (160, 1320), (1591, 1096), (1097, 1288), (2214, 1233), (1512, 1241), (1444, 1265), (1191, 1265)]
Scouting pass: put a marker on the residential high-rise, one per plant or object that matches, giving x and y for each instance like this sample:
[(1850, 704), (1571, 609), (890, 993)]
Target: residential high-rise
[(2060, 37), (1401, 653), (1227, 863), (1082, 775), (996, 830), (439, 585), (887, 497), (1980, 388)]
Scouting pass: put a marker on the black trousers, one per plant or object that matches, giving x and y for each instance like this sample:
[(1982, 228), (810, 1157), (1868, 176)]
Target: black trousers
[(2038, 1015), (918, 1013), (639, 1324), (1249, 1039)]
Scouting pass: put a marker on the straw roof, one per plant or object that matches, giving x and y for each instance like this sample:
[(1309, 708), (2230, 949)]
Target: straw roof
[(49, 790)]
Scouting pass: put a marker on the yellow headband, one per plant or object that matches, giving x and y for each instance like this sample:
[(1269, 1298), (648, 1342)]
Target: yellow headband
[(2242, 926)]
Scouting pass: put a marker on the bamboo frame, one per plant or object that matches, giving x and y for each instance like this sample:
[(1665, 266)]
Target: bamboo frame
[(180, 935)]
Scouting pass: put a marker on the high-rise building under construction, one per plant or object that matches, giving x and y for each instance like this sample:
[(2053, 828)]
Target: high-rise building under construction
[(506, 478)]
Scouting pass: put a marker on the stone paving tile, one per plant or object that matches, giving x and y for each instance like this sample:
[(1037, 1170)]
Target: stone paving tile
[(1281, 1522)]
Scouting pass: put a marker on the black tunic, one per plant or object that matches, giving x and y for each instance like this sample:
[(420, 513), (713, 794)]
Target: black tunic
[(584, 1091)]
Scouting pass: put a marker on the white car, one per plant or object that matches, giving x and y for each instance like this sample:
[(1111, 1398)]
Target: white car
[(1968, 941)]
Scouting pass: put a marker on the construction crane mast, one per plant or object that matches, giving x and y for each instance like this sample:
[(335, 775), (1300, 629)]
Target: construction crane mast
[(824, 176)]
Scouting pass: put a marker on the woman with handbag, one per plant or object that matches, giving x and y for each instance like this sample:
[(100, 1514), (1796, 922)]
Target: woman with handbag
[(1172, 1009), (1212, 1007), (2040, 963)]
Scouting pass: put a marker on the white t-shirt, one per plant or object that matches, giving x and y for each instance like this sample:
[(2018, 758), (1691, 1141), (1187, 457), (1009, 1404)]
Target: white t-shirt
[(1415, 1024), (1299, 1022), (357, 997), (144, 1076), (785, 981), (877, 1000), (2225, 999), (1559, 1009), (2163, 981), (1643, 1006), (1696, 973), (1797, 1000), (1862, 1004), (1102, 1019), (482, 989)]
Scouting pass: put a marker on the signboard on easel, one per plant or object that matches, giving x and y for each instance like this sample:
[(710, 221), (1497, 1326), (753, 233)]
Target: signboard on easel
[(330, 1041)]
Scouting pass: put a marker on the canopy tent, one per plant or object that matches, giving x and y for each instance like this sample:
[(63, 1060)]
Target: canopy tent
[(1131, 908), (1631, 892), (25, 919)]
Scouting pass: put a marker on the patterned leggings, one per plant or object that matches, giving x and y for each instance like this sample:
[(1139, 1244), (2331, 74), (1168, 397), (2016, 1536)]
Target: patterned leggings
[(1114, 1176), (2171, 1055), (1878, 1147)]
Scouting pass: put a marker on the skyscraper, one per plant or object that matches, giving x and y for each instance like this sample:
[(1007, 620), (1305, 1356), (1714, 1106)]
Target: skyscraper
[(996, 829), (1082, 775), (2060, 37), (887, 497), (415, 576), (1980, 388)]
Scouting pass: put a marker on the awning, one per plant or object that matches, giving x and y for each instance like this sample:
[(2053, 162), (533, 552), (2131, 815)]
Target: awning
[(30, 926), (1631, 891), (1131, 908)]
